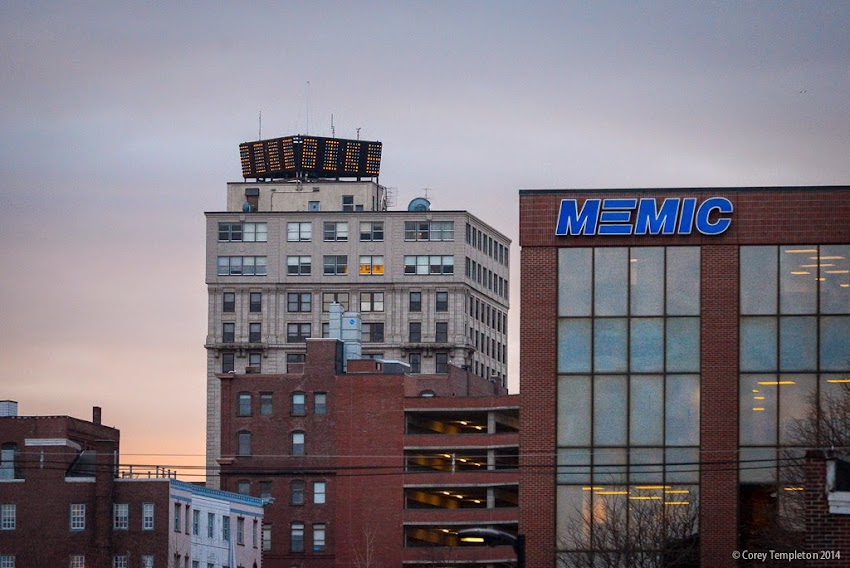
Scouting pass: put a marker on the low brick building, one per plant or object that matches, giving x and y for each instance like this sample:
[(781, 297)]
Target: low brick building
[(65, 501), (372, 463)]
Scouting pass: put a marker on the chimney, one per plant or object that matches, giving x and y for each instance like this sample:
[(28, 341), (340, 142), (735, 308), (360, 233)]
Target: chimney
[(95, 414), (8, 408)]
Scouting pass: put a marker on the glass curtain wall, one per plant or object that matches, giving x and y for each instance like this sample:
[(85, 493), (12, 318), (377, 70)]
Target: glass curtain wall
[(628, 403)]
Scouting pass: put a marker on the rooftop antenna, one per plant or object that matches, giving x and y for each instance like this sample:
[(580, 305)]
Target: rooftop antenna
[(358, 133), (308, 108), (427, 189), (260, 133), (333, 132)]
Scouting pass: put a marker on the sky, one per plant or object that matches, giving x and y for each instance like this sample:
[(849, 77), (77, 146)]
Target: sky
[(120, 124)]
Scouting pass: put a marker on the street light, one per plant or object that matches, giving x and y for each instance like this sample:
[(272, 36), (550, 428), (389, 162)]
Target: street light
[(493, 537)]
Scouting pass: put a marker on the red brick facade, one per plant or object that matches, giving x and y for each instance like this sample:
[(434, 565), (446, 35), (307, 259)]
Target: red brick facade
[(827, 534), (791, 215)]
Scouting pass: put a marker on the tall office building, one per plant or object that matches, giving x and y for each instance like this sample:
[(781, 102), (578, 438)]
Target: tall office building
[(671, 340), (313, 228)]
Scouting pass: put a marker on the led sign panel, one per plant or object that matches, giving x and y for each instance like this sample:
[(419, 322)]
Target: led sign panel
[(306, 157), (630, 216)]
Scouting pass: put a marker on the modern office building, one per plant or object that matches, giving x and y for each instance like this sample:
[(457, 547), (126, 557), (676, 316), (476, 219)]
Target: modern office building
[(65, 500), (671, 341), (372, 465), (431, 286)]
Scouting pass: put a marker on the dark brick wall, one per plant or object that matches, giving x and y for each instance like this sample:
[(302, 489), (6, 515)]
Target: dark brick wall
[(824, 531)]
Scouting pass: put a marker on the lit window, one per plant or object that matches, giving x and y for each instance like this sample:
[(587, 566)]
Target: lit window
[(299, 301), (372, 231), (429, 264), (297, 332), (296, 537), (329, 298), (120, 516), (299, 404), (299, 232), (371, 265), (371, 301), (335, 231), (78, 516), (299, 265), (335, 264), (265, 404), (320, 403), (318, 538), (319, 492), (298, 443), (372, 332), (243, 443), (8, 516), (296, 492)]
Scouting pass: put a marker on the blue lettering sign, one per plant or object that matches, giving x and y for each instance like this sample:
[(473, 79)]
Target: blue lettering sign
[(629, 216)]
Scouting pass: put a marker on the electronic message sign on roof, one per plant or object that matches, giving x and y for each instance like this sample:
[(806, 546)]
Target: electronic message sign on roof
[(310, 157)]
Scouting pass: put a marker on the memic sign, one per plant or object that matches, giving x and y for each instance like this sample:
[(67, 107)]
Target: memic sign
[(676, 216)]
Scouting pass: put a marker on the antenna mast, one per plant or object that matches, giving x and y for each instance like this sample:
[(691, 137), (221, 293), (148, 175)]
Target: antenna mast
[(333, 131), (308, 109), (260, 133)]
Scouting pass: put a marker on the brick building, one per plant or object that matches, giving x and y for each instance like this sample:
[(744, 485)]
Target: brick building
[(372, 462), (65, 501), (670, 339)]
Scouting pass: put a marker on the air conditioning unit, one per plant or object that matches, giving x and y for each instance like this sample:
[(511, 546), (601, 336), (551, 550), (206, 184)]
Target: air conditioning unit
[(251, 370)]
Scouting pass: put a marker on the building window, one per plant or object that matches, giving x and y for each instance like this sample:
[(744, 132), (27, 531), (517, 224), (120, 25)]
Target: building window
[(78, 516), (196, 522), (8, 516), (298, 443), (119, 561), (319, 492), (210, 525), (441, 362), (266, 404), (243, 232), (318, 538), (265, 489), (296, 537), (299, 265), (243, 443), (256, 302), (296, 492), (240, 530), (371, 231), (415, 302), (372, 332), (425, 264), (297, 332), (299, 232), (243, 487), (371, 265), (77, 561), (254, 533), (187, 519), (415, 328), (228, 332), (442, 304), (242, 266), (267, 538), (335, 231), (348, 203), (227, 362), (255, 332), (120, 516), (299, 404), (415, 360), (177, 509), (335, 264), (441, 334), (295, 361), (429, 231), (254, 362), (225, 528), (147, 561), (329, 298), (7, 561), (320, 403), (371, 301), (147, 516), (228, 302), (299, 301)]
